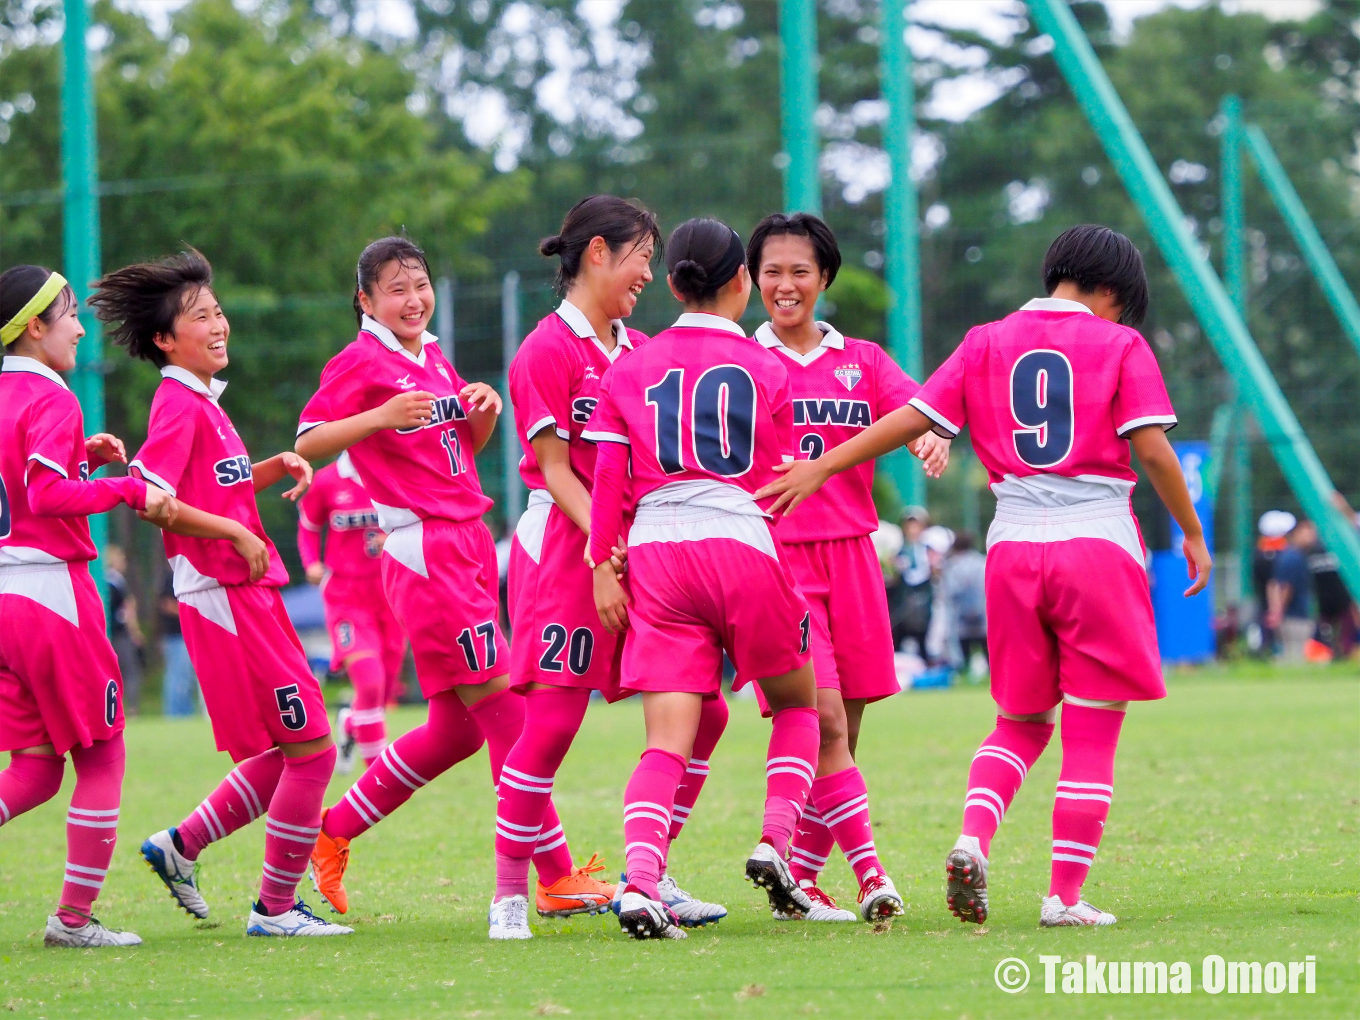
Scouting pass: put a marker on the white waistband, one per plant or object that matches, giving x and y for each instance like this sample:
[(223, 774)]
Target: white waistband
[(1089, 510)]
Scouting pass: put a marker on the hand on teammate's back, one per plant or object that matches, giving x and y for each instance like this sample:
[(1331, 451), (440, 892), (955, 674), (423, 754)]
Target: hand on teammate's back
[(411, 410), (801, 478)]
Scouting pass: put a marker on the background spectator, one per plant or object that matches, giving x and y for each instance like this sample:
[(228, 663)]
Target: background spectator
[(909, 599), (962, 579), (125, 633), (1274, 525), (1289, 593), (179, 685)]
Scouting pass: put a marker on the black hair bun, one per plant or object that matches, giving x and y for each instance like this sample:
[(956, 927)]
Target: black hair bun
[(550, 246), (689, 276)]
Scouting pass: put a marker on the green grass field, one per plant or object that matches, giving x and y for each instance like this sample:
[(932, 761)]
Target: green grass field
[(1234, 831)]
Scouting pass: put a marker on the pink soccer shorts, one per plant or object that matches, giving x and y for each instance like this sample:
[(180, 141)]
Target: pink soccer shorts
[(59, 678), (852, 649), (558, 637), (442, 583), (693, 599), (362, 626), (1071, 617), (257, 688)]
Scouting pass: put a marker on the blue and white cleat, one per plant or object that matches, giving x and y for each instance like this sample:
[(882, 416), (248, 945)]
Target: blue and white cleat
[(298, 921), (508, 919), (91, 935), (175, 870), (1055, 914), (689, 911)]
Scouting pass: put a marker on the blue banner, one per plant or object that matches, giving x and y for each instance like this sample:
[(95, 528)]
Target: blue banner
[(1185, 631)]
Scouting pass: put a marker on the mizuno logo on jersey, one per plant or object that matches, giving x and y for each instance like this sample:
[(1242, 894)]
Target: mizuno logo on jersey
[(405, 382), (854, 413), (582, 408), (446, 409), (849, 375), (233, 470), (353, 519)]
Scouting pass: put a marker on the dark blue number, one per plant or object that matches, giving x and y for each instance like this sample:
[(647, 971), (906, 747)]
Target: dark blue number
[(487, 632), (582, 648), (111, 702), (455, 451), (804, 633), (724, 420), (665, 397), (813, 445), (292, 711), (1041, 402), (555, 636), (4, 511)]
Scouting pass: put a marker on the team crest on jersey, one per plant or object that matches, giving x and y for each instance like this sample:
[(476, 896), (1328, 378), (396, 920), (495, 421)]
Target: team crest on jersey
[(444, 372), (849, 375)]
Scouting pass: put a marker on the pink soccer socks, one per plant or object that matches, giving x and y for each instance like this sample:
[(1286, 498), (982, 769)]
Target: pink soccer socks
[(552, 717), (91, 826), (999, 767), (790, 765), (238, 800), (842, 803), (1085, 787), (30, 780), (368, 714), (647, 816), (291, 827), (712, 723)]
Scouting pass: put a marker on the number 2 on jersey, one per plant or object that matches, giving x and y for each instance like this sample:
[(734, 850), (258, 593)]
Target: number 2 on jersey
[(1041, 403), (722, 420), (4, 511)]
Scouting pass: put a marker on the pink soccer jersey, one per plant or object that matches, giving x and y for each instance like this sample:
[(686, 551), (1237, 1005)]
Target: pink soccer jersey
[(555, 383), (410, 475), (697, 402), (839, 389), (338, 503), (193, 452), (41, 424), (1050, 390)]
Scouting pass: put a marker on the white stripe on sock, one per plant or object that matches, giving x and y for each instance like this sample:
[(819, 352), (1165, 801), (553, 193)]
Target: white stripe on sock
[(1001, 754), (368, 805), (515, 784), (541, 849), (1064, 795), (358, 807), (246, 792), (985, 804), (516, 837), (271, 830), (87, 824), (1064, 844), (846, 810), (395, 763), (1074, 859), (1086, 786), (526, 777), (83, 870), (209, 814), (644, 846), (90, 882)]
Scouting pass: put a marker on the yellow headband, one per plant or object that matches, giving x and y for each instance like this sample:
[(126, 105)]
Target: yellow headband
[(37, 304)]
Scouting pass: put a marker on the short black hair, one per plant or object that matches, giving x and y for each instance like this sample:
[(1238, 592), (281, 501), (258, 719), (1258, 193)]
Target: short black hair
[(1092, 256), (19, 284), (378, 254), (824, 247), (142, 301), (618, 220), (702, 255)]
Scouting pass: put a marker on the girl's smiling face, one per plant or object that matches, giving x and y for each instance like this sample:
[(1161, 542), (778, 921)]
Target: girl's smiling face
[(624, 274), (790, 280), (53, 343), (402, 299), (198, 340)]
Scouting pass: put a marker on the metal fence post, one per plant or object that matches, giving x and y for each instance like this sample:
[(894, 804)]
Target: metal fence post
[(1220, 320), (798, 93), (514, 488), (443, 316), (902, 247)]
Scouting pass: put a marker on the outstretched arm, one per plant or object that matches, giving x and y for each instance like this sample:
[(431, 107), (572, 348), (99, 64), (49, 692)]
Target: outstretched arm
[(804, 477), (1163, 469), (404, 411)]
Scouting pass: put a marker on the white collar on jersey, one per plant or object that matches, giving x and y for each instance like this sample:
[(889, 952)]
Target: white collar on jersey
[(707, 320), (1054, 304), (345, 468), (16, 363), (183, 376), (578, 323), (832, 340), (390, 341)]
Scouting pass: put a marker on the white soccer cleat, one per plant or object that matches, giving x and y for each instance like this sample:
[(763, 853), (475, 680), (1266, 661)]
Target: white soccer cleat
[(298, 921), (767, 870), (690, 912), (878, 898), (1056, 914), (175, 870), (91, 935), (346, 743), (823, 906), (965, 872), (508, 918), (643, 918)]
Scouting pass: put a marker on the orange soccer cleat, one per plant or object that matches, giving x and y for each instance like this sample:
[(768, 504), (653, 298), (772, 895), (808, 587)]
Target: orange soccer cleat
[(577, 893), (330, 858)]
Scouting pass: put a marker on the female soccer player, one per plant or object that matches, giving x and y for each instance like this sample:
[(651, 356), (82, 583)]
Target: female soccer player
[(265, 705), (562, 652), (412, 428), (840, 386), (60, 689), (366, 638), (1055, 393), (705, 414)]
